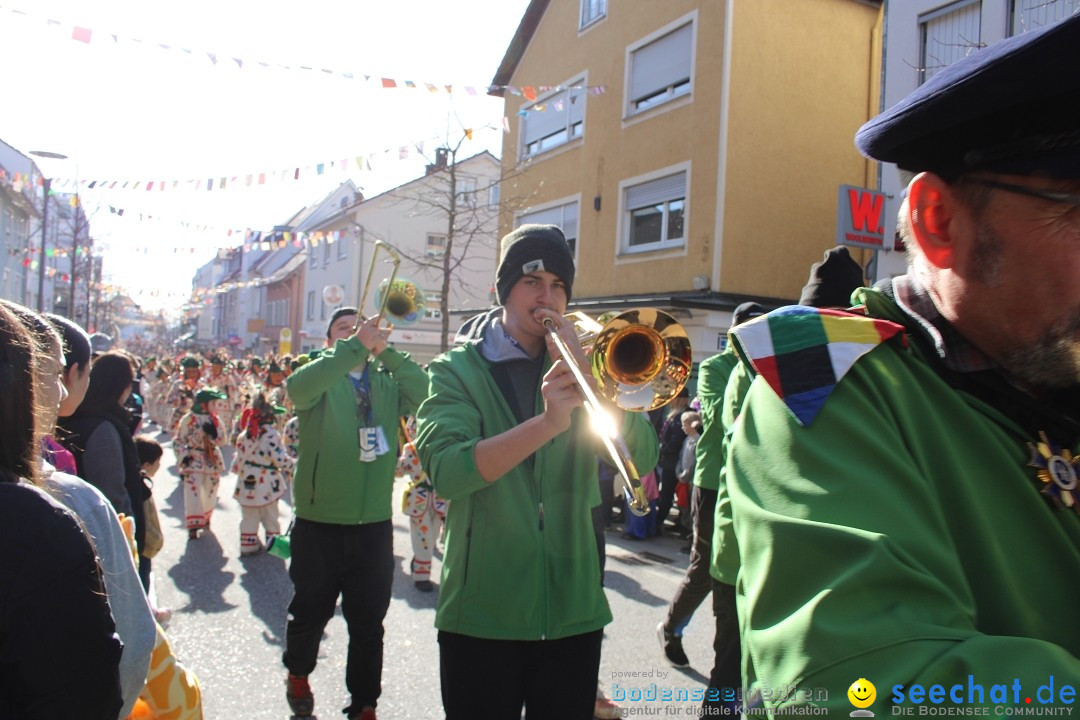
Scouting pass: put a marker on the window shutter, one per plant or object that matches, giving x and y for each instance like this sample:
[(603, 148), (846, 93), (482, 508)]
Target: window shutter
[(541, 124), (663, 62), (656, 191)]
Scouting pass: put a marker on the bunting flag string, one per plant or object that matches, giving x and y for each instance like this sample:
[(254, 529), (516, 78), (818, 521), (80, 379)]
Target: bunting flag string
[(370, 161), (90, 36)]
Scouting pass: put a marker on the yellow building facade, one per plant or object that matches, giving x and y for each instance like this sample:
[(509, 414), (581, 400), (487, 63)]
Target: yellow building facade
[(690, 149)]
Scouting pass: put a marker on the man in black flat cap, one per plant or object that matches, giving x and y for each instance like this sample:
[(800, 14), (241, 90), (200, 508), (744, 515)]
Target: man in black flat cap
[(903, 478), (502, 435)]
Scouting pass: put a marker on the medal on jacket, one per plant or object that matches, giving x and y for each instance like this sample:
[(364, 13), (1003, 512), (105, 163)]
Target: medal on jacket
[(1058, 472)]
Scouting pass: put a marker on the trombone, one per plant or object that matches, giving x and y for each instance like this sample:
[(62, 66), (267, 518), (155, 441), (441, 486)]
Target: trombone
[(640, 360), (401, 301)]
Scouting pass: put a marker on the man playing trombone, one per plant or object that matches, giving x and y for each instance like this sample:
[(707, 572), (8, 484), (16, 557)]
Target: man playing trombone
[(349, 401), (503, 437)]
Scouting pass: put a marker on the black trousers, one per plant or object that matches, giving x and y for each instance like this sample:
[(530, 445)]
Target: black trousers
[(357, 563), (727, 648), (492, 679), (697, 582)]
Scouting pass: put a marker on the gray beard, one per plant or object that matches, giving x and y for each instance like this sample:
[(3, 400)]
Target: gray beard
[(1053, 361)]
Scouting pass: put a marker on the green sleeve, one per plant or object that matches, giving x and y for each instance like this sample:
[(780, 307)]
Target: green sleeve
[(851, 566), (712, 378), (310, 381), (449, 425), (411, 379), (725, 547)]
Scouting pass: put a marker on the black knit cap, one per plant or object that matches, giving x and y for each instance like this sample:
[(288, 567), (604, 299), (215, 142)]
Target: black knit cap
[(532, 248), (832, 280)]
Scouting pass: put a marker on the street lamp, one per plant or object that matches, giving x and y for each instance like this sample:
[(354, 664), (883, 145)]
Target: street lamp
[(47, 184)]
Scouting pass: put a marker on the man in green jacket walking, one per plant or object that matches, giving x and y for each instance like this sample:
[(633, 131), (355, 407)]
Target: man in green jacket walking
[(349, 401), (504, 438), (903, 480)]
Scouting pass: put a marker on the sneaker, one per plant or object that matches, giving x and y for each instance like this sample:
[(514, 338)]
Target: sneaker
[(424, 585), (605, 708), (298, 693), (672, 647)]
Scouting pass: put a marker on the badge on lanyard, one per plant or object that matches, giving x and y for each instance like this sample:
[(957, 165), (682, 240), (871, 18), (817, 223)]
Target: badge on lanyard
[(1058, 472), (370, 437)]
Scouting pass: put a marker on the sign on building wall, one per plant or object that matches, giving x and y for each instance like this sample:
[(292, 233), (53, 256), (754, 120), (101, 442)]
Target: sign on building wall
[(860, 218)]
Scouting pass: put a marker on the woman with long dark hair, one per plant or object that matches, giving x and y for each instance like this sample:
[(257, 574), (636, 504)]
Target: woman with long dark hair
[(99, 436), (58, 648)]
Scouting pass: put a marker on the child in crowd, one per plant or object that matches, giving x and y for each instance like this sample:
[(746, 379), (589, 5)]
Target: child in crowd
[(262, 467), (150, 454), (198, 441)]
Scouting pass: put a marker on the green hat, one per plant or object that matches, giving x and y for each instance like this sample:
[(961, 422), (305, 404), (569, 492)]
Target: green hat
[(274, 368), (203, 397), (314, 354), (217, 360), (191, 362), (206, 395), (256, 362)]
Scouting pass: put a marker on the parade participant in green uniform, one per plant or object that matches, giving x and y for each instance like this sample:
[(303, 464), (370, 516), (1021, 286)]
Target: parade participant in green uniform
[(503, 437), (904, 481), (349, 402)]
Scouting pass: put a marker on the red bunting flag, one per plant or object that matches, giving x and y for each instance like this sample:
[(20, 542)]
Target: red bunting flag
[(388, 83)]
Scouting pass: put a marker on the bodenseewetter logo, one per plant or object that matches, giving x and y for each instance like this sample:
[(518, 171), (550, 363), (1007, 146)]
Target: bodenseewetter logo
[(862, 694)]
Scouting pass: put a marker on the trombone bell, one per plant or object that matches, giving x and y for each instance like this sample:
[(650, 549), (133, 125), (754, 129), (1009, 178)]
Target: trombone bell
[(641, 359), (402, 301)]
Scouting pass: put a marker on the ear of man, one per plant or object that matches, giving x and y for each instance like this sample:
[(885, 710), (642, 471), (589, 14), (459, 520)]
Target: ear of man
[(936, 219)]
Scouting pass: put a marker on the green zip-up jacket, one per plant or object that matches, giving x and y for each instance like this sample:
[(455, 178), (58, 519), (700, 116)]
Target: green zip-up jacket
[(330, 484), (712, 379), (521, 560), (900, 537)]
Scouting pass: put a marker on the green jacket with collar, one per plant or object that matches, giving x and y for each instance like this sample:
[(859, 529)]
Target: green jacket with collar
[(521, 559), (330, 484), (899, 537)]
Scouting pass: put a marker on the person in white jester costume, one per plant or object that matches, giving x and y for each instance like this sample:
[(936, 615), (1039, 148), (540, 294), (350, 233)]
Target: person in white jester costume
[(221, 379), (189, 381), (198, 441), (426, 510), (262, 467)]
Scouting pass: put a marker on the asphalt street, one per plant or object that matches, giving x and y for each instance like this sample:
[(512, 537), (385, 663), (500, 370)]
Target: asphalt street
[(229, 616)]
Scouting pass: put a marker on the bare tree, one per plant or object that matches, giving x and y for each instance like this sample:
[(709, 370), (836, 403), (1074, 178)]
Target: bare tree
[(471, 222)]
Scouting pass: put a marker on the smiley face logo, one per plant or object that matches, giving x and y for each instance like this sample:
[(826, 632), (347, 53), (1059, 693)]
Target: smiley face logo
[(862, 694)]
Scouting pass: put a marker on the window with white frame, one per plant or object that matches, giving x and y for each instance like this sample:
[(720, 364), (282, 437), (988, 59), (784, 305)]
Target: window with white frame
[(1031, 14), (555, 120), (948, 34), (565, 216), (493, 194), (436, 246), (325, 251), (591, 11), (661, 69), (654, 214), (311, 305), (342, 245), (466, 190)]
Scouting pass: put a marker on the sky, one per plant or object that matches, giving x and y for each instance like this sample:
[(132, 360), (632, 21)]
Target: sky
[(143, 101)]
